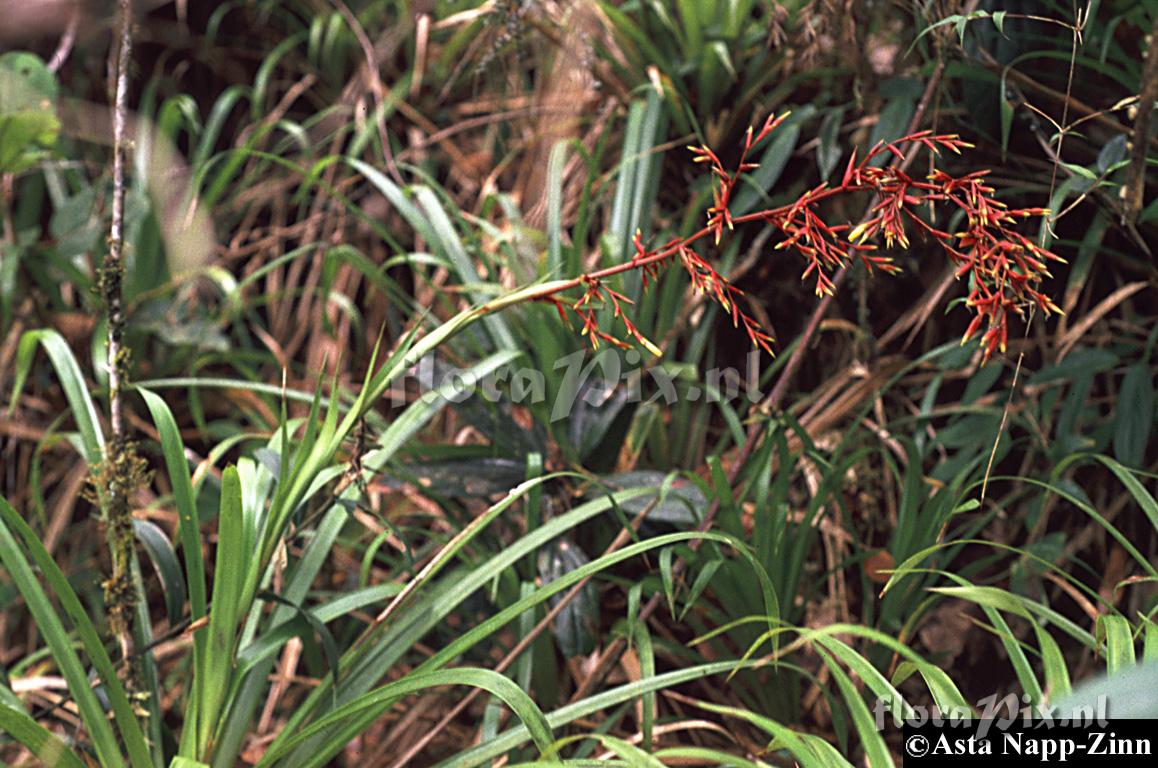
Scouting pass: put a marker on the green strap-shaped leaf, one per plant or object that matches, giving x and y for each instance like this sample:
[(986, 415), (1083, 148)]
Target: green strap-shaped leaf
[(164, 559), (189, 533), (71, 380), (381, 699), (41, 742), (231, 563), (862, 720), (60, 643)]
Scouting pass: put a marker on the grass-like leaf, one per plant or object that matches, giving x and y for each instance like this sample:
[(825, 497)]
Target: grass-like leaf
[(41, 742), (61, 645)]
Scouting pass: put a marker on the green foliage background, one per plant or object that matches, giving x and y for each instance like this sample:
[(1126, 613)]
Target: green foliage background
[(343, 563)]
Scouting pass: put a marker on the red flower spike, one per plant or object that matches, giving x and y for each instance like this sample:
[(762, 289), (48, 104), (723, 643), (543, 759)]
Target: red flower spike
[(1005, 266), (848, 171)]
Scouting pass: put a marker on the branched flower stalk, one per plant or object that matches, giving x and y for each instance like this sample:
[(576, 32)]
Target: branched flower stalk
[(1004, 267)]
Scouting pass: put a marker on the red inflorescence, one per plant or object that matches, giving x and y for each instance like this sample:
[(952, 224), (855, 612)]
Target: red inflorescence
[(1005, 268)]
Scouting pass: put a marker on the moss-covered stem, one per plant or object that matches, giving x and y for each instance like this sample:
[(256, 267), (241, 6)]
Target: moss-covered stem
[(120, 474)]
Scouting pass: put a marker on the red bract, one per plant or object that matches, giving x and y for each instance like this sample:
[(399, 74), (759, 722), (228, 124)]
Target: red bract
[(1004, 267)]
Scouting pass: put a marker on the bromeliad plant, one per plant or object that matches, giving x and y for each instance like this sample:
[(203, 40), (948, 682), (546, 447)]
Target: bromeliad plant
[(234, 636), (1005, 268)]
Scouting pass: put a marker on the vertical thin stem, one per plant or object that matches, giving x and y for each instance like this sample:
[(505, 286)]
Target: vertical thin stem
[(120, 470), (114, 260)]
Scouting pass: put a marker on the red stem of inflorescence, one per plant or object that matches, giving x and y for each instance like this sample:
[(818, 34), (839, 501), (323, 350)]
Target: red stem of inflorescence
[(1005, 268)]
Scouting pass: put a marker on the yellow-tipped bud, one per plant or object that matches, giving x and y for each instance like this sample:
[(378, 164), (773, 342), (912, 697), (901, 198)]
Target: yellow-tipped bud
[(652, 348)]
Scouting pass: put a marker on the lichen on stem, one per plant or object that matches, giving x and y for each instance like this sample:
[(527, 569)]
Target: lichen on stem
[(123, 470)]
